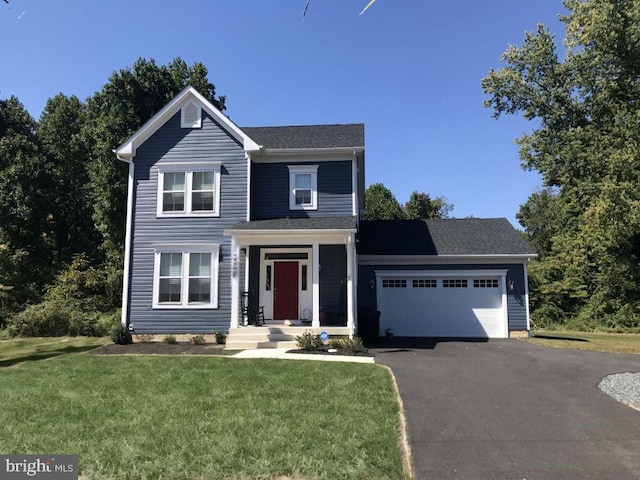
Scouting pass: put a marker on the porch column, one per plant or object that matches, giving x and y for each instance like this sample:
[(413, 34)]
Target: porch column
[(350, 283), (315, 282), (235, 283)]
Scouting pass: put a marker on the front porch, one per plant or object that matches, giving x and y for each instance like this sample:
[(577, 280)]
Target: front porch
[(298, 272), (272, 335)]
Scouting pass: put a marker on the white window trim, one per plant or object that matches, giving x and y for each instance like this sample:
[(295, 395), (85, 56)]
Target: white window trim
[(189, 169), (198, 121), (303, 169), (186, 250)]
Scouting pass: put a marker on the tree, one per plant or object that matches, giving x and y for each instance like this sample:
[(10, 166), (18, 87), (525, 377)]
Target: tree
[(421, 205), (59, 133), (381, 204), (586, 147), (25, 185)]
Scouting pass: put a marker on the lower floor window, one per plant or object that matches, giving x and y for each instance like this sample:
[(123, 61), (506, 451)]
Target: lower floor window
[(186, 277)]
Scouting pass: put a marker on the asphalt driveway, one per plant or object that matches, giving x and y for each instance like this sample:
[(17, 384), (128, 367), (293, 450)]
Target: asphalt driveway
[(505, 409)]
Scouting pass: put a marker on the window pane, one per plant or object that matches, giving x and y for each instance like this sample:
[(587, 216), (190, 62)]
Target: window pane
[(303, 197), (174, 181), (171, 264), (200, 265), (202, 201), (169, 290), (203, 180), (303, 180), (173, 202), (199, 290), (304, 277)]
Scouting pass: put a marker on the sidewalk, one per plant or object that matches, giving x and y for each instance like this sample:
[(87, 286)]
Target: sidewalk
[(281, 353)]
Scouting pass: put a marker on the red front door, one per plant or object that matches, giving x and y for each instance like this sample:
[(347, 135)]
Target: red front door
[(285, 298)]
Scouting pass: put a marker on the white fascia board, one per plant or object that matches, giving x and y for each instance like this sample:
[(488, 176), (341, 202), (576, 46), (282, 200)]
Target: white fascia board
[(127, 150), (306, 154), (441, 259), (289, 237)]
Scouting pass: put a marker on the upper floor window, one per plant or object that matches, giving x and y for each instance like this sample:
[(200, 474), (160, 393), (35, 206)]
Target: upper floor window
[(303, 187), (189, 189)]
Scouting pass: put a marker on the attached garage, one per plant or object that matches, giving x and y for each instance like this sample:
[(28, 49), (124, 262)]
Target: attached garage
[(451, 278), (443, 303)]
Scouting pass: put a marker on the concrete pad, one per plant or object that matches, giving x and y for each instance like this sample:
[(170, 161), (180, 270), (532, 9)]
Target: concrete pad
[(281, 353)]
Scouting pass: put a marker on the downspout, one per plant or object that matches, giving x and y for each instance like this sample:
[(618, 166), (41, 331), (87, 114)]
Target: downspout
[(127, 242)]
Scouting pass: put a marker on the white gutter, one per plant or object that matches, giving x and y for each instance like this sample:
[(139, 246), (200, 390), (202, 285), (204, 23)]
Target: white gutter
[(127, 242)]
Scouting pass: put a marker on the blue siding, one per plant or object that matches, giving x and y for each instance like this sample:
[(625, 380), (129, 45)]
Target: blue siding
[(516, 305), (174, 144), (270, 190), (333, 277)]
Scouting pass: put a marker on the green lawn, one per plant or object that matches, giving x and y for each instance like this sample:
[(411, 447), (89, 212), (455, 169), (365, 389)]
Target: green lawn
[(600, 342), (204, 417), (19, 350)]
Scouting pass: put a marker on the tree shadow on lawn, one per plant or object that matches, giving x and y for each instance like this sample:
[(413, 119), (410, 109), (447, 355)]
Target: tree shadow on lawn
[(34, 356), (555, 337)]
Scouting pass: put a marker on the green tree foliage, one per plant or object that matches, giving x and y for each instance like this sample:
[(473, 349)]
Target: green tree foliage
[(381, 204), (421, 205), (59, 133), (586, 147), (25, 185)]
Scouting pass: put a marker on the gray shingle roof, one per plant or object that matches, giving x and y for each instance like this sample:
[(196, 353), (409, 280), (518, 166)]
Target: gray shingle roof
[(466, 236), (314, 223), (308, 136)]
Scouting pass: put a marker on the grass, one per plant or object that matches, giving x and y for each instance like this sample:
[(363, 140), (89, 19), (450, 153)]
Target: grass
[(19, 350), (204, 417), (599, 342)]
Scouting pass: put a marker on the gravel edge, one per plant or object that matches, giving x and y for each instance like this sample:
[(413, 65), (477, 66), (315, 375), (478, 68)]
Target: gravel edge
[(624, 387)]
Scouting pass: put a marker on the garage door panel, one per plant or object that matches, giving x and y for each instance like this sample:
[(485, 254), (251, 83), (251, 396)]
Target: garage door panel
[(442, 312)]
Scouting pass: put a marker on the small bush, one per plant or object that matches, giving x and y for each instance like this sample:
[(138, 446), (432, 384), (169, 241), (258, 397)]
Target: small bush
[(221, 338), (353, 345), (309, 341), (198, 340), (121, 335), (144, 338), (169, 339), (335, 342)]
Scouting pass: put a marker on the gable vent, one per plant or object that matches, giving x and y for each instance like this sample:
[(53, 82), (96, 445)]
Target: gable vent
[(191, 116)]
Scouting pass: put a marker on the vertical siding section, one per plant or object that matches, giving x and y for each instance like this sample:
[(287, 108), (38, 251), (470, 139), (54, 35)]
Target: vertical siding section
[(270, 190), (174, 144), (516, 306)]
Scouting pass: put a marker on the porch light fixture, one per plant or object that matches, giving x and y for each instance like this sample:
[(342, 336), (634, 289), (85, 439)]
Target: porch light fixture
[(511, 285)]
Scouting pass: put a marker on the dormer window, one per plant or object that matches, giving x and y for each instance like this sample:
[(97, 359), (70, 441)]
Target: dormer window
[(303, 187), (191, 115)]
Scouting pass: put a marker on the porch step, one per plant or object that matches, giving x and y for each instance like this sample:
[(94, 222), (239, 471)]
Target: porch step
[(272, 336)]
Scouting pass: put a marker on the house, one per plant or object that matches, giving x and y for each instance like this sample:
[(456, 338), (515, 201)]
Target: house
[(217, 213)]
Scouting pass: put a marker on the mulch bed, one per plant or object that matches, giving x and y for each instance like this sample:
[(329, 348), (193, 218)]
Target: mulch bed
[(161, 349)]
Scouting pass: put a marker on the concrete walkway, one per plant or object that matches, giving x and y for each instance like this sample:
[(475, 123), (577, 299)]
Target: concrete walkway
[(281, 353)]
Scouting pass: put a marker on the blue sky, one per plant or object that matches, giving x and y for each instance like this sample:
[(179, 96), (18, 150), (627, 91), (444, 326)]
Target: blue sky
[(409, 70)]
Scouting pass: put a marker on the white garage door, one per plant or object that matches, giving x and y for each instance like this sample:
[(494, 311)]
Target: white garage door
[(415, 305)]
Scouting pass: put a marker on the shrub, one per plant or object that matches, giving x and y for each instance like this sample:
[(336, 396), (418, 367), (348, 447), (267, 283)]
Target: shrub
[(353, 345), (221, 337), (144, 338), (309, 341), (198, 340), (121, 335), (169, 339), (336, 342), (46, 319)]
